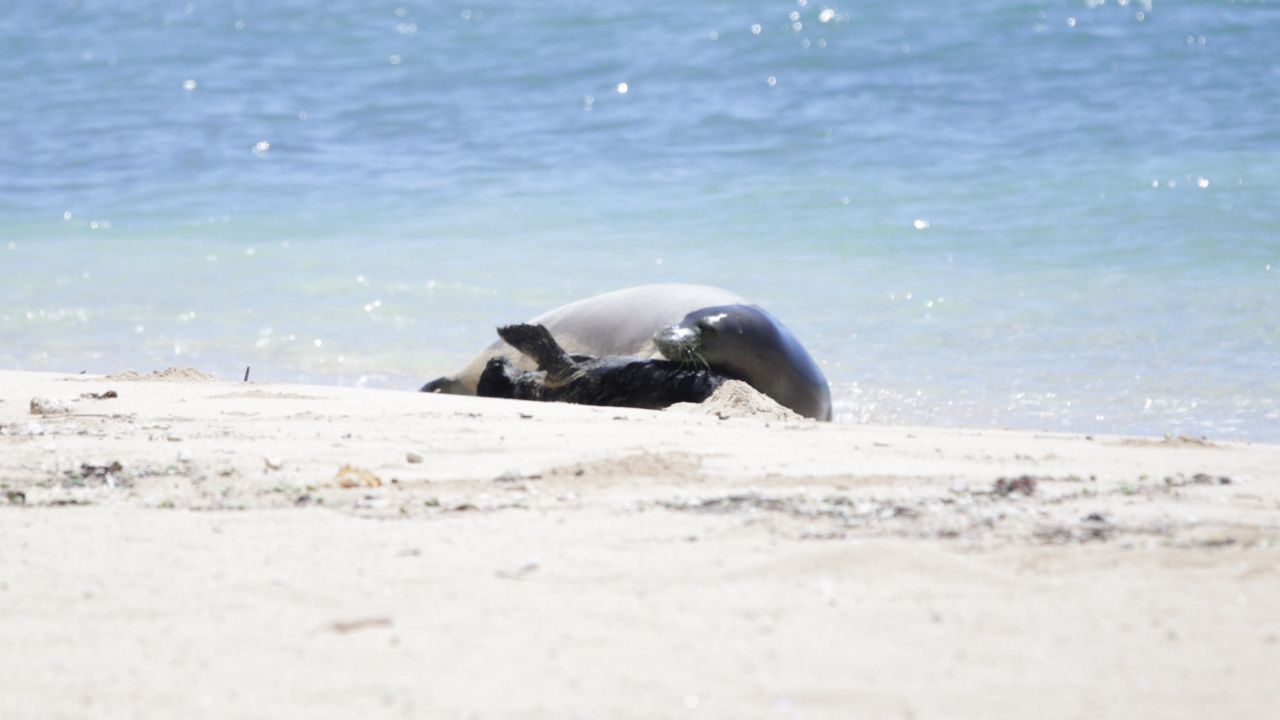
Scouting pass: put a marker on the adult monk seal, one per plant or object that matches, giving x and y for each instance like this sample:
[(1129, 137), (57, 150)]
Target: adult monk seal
[(695, 323)]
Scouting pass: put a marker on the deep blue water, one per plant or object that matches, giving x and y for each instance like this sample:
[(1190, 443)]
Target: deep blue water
[(1048, 215)]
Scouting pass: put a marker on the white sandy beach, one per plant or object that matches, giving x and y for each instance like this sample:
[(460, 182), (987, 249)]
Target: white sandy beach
[(483, 559)]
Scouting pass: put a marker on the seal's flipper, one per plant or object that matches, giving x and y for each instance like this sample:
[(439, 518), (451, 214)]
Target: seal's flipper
[(447, 385), (435, 386), (536, 342)]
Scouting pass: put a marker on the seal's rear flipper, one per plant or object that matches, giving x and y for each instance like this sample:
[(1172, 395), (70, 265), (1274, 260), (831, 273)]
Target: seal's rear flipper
[(445, 386), (536, 342)]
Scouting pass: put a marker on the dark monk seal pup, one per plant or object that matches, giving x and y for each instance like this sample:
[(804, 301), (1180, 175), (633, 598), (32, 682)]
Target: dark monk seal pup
[(615, 381), (719, 329)]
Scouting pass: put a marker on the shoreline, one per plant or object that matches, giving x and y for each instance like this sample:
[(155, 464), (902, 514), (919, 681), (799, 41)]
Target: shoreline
[(391, 553)]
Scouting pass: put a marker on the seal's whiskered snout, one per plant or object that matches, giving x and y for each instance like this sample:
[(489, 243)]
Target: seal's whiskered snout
[(679, 344), (674, 334)]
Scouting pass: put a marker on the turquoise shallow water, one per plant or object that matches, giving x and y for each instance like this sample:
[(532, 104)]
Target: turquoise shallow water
[(1047, 215)]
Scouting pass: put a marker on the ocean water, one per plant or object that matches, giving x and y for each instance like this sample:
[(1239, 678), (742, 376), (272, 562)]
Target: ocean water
[(1059, 215)]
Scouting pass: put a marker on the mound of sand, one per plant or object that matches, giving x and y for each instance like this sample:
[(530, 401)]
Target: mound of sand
[(167, 375), (736, 399)]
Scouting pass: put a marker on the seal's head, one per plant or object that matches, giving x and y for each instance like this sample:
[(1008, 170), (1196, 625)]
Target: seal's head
[(747, 343)]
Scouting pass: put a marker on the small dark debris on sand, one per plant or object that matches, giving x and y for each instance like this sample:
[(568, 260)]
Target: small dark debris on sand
[(1181, 480), (1024, 484), (346, 627), (1094, 527), (109, 475)]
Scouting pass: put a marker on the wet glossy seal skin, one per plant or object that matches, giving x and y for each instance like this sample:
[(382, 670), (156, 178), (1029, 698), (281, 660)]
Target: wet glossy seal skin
[(693, 325), (614, 381), (747, 343)]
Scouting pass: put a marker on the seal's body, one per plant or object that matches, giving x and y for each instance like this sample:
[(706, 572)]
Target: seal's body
[(697, 327)]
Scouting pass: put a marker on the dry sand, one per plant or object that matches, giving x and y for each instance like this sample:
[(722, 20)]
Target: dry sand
[(202, 549)]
